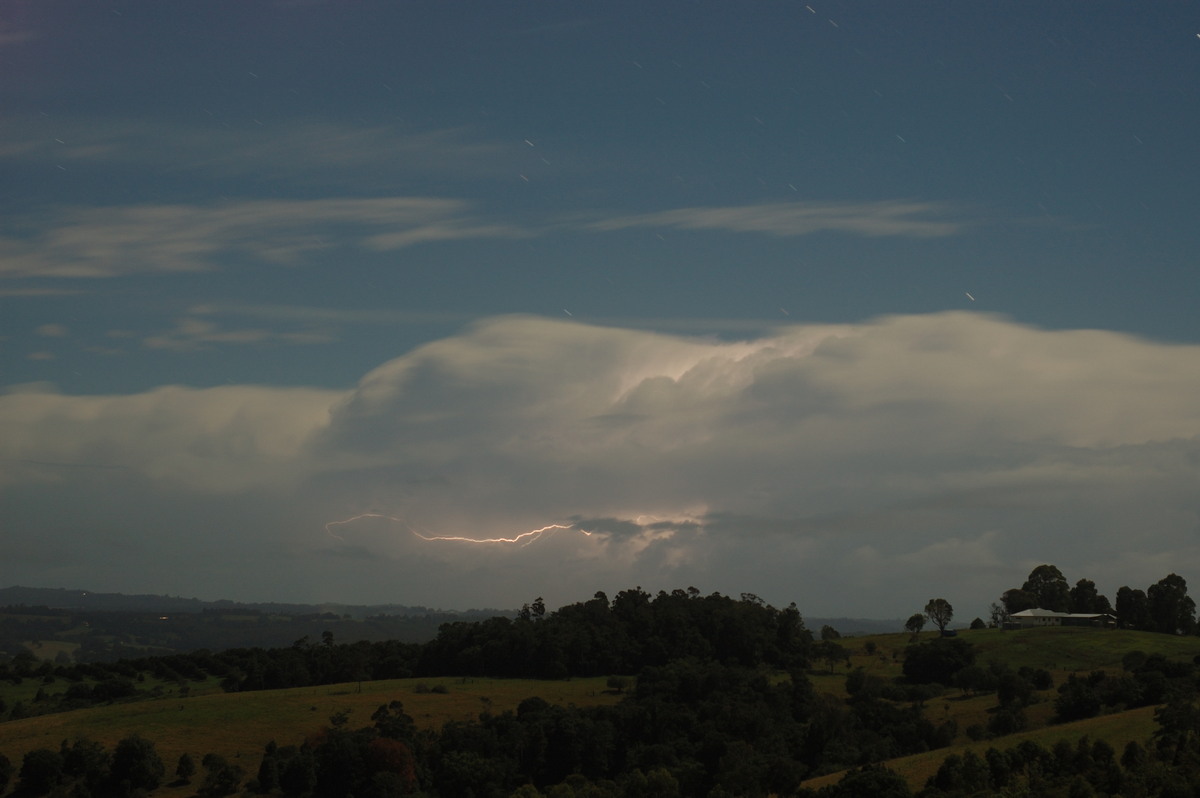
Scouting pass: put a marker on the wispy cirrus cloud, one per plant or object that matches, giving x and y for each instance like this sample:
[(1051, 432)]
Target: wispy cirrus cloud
[(133, 239), (883, 218), (122, 240), (13, 292), (325, 315), (192, 333)]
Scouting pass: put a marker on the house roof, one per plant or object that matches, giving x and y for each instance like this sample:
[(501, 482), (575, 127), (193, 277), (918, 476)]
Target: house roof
[(1040, 613)]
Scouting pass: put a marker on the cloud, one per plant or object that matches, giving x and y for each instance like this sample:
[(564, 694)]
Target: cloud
[(885, 218), (7, 292), (856, 469), (123, 240), (133, 239), (208, 441), (208, 326), (52, 330), (315, 315), (195, 332)]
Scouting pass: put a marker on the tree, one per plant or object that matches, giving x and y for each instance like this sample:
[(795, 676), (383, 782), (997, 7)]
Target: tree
[(533, 612), (1085, 599), (221, 778), (1133, 611), (937, 660), (1049, 587), (832, 653), (829, 633), (268, 769), (1171, 610), (1076, 700), (87, 761), (940, 612), (998, 614), (978, 624), (1016, 600), (186, 768), (870, 781), (915, 623), (41, 769), (136, 761)]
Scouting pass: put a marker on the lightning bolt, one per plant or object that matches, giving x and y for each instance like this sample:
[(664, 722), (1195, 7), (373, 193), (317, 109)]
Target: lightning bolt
[(527, 537)]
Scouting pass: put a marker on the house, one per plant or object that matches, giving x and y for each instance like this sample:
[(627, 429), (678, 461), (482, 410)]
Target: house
[(1027, 619)]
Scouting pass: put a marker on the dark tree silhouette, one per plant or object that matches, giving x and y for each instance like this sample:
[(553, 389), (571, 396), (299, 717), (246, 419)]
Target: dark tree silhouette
[(1049, 587), (186, 768), (1172, 611), (940, 612), (1016, 600), (136, 761), (1084, 598)]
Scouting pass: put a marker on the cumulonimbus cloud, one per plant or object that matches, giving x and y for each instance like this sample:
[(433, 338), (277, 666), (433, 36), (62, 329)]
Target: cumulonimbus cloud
[(852, 468)]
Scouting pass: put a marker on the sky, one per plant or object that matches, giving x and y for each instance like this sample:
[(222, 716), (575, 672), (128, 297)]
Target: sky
[(851, 304)]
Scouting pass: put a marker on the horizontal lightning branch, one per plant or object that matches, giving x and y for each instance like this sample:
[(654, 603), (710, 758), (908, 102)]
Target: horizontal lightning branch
[(525, 538)]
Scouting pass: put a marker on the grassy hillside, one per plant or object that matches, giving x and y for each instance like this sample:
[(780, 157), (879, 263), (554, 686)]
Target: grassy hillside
[(238, 725), (1117, 730), (1058, 649), (1061, 650)]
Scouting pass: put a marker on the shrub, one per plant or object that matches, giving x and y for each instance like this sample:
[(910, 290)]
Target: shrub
[(186, 768), (1006, 721), (221, 777), (1077, 700)]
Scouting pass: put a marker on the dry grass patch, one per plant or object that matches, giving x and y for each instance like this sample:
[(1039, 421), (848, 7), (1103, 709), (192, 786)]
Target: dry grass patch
[(238, 725)]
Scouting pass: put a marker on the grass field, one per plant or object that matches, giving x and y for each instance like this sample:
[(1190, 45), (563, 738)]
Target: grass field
[(238, 725)]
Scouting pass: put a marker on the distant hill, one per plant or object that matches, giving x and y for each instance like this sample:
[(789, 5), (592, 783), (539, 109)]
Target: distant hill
[(855, 627), (87, 626), (88, 600)]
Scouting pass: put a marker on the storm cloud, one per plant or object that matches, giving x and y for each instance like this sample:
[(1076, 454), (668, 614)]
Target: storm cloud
[(856, 469)]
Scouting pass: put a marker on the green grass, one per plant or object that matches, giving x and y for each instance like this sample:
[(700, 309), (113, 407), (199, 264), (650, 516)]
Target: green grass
[(1067, 649)]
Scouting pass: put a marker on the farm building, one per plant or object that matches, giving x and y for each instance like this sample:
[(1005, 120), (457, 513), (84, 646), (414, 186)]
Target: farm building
[(1026, 619)]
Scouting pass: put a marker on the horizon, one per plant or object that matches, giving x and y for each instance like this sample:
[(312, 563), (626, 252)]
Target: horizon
[(958, 622)]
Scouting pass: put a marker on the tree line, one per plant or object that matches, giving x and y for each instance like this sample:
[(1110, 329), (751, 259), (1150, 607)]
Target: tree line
[(624, 635), (1163, 607)]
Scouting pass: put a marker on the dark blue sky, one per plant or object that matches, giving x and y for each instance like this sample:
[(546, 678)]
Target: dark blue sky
[(288, 195)]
